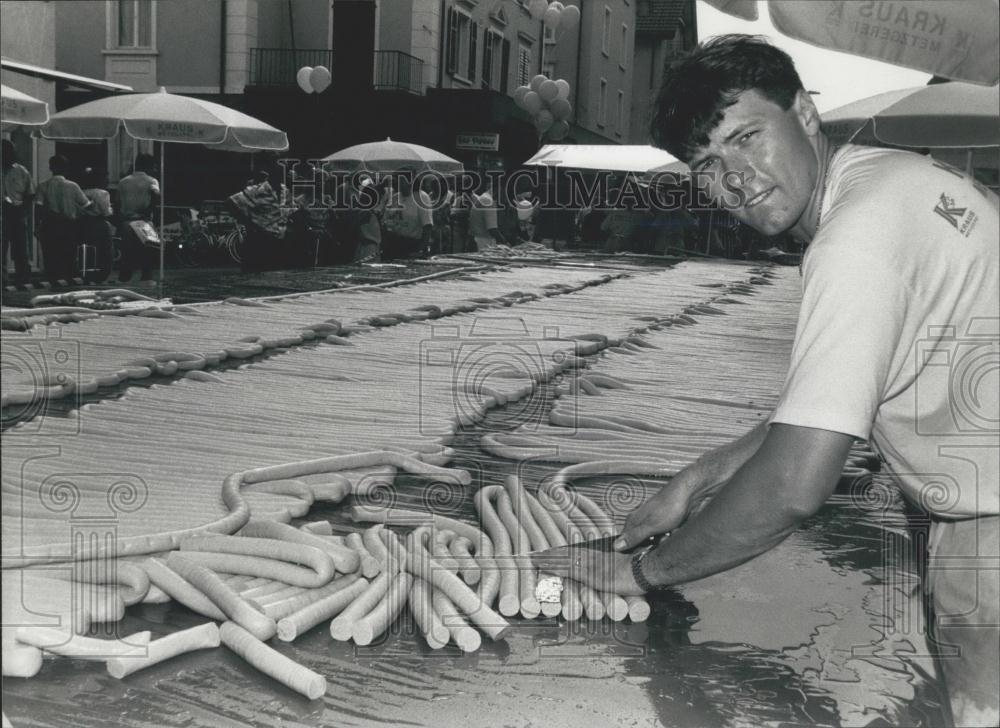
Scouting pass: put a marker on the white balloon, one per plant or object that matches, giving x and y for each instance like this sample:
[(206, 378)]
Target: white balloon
[(548, 91), (537, 81), (551, 17), (570, 18), (558, 130), (537, 9), (563, 86), (302, 78), (532, 102), (543, 120), (320, 79), (561, 109), (518, 95)]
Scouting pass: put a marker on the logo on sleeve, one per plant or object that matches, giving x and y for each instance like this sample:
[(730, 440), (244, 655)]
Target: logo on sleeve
[(961, 218)]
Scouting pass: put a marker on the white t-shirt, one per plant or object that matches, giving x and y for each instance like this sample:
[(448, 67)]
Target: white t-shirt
[(897, 337)]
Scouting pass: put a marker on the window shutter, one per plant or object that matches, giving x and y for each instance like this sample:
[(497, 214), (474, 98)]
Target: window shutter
[(504, 66), (451, 55), (487, 59), (473, 35)]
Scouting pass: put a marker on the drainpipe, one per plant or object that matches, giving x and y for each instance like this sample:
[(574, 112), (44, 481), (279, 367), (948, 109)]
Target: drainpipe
[(291, 27), (441, 42), (223, 11)]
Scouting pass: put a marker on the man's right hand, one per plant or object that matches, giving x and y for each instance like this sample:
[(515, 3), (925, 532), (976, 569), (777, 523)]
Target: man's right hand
[(664, 512)]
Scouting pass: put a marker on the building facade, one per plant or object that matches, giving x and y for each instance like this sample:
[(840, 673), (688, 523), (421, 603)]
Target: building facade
[(434, 72)]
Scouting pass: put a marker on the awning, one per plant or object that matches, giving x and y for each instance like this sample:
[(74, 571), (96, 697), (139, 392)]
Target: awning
[(29, 69), (612, 157)]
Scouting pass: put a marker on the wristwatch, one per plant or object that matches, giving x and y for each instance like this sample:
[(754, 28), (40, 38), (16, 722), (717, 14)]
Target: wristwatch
[(637, 574)]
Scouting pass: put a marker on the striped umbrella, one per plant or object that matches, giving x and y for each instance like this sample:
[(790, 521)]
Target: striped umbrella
[(954, 39)]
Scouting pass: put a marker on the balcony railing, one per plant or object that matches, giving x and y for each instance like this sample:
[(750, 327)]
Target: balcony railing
[(396, 71), (392, 71), (278, 66)]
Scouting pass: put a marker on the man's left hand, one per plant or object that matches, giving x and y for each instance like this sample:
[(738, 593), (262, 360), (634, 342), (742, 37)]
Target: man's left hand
[(603, 570)]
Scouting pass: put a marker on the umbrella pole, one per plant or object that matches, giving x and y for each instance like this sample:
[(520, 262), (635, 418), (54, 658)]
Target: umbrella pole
[(163, 183)]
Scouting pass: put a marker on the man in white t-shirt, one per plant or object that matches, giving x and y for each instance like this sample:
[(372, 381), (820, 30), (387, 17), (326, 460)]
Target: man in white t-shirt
[(897, 344)]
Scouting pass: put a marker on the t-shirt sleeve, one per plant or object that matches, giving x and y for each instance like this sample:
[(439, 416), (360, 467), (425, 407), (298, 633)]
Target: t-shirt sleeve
[(850, 320)]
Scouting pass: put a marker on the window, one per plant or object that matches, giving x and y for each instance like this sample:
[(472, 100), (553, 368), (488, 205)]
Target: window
[(602, 104), (492, 59), (550, 35), (606, 31), (523, 65), (133, 24), (460, 58), (623, 48), (620, 122), (549, 70), (642, 9)]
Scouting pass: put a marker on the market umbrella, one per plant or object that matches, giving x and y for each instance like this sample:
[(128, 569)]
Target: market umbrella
[(955, 39), (611, 157), (19, 108), (940, 115), (390, 156), (165, 117)]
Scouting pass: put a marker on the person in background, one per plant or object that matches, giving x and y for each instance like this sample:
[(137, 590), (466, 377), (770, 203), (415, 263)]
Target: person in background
[(17, 189), (484, 230), (370, 203), (138, 198), (408, 222), (96, 229), (261, 207), (60, 203)]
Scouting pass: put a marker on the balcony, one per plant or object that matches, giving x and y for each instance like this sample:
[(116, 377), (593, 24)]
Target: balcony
[(392, 70), (278, 66), (396, 71)]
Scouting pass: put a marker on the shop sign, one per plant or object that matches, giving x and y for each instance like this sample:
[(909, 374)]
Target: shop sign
[(481, 142)]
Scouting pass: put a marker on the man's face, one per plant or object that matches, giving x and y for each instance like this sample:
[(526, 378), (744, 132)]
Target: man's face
[(764, 153)]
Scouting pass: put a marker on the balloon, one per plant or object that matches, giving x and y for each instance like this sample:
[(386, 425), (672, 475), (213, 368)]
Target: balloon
[(543, 120), (570, 18), (548, 91), (561, 109), (320, 79), (551, 17), (302, 78), (537, 9), (519, 93), (559, 130), (563, 85), (532, 102), (537, 81)]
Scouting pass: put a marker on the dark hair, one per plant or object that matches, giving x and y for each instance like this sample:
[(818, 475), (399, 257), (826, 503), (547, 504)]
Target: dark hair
[(9, 155), (58, 164), (700, 86), (145, 163)]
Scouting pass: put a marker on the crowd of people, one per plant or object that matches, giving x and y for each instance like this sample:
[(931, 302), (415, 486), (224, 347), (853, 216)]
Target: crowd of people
[(372, 218), (76, 221)]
